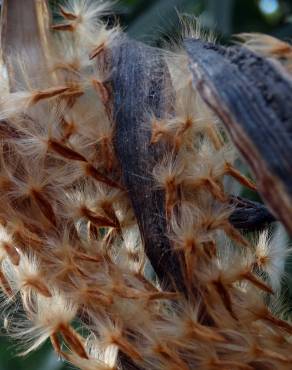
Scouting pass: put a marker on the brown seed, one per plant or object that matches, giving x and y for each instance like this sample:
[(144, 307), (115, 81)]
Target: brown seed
[(73, 340), (73, 91), (108, 209), (162, 350), (56, 343), (203, 332), (185, 126), (215, 189), (163, 295), (68, 15), (95, 52), (39, 286), (101, 89), (106, 150), (64, 151), (48, 93), (70, 27), (96, 219), (126, 347), (225, 296), (44, 205), (243, 180), (214, 137), (170, 196), (234, 234), (257, 282), (91, 171)]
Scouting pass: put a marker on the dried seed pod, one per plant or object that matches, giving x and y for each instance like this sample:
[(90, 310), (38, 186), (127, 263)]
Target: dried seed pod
[(251, 94), (139, 82), (249, 215)]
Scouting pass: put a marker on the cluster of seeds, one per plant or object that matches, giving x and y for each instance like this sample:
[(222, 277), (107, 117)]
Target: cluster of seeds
[(73, 265)]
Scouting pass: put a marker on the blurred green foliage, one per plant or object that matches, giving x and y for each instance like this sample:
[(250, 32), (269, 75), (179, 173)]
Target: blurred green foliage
[(149, 20)]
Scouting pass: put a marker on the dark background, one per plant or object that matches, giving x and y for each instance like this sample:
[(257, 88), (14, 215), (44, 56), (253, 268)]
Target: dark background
[(151, 21)]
